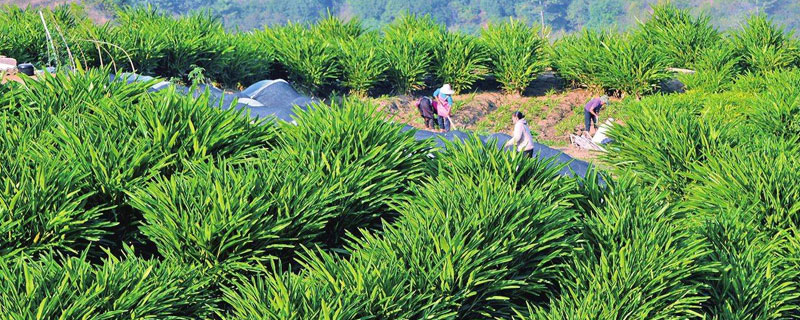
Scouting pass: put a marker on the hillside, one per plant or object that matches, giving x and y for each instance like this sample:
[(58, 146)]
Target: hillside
[(464, 15), (94, 9)]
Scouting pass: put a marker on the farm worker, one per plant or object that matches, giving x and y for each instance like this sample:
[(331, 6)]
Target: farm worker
[(591, 110), (522, 135), (425, 106), (444, 103)]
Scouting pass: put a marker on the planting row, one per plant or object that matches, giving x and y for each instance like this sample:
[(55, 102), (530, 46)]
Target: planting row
[(412, 53)]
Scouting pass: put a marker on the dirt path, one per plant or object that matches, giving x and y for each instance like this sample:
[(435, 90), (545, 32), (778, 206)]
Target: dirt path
[(562, 112)]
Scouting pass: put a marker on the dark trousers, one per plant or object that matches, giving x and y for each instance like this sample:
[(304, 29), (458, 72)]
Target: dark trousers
[(444, 123), (430, 123), (528, 153), (588, 119)]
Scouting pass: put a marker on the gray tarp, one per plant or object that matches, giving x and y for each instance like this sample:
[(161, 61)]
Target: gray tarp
[(278, 99), (262, 99)]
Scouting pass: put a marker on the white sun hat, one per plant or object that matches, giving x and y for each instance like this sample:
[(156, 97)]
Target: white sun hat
[(446, 89)]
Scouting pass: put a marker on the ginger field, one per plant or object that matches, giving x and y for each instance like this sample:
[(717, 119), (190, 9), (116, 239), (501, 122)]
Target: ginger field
[(117, 202)]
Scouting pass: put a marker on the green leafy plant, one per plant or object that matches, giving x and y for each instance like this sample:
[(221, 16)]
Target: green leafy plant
[(763, 46), (23, 36), (758, 278), (517, 53), (758, 83), (681, 36), (748, 214), (230, 216), (248, 61), (633, 239), (409, 44), (779, 106), (715, 71), (367, 158), (363, 63), (754, 180), (311, 62), (42, 206), (196, 76), (71, 287), (111, 150), (333, 28), (621, 63), (191, 130), (665, 140), (480, 240), (459, 60), (63, 121)]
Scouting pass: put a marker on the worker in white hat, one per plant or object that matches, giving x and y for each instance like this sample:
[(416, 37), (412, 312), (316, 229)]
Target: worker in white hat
[(443, 103)]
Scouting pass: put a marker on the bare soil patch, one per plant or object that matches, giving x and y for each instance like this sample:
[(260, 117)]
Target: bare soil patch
[(485, 112)]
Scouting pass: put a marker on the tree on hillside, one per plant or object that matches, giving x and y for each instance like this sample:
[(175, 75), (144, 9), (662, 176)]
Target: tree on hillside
[(763, 6), (553, 12), (594, 14), (367, 9), (494, 9), (439, 10)]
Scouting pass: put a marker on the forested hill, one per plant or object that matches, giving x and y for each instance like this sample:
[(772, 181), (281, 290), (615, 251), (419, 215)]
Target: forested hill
[(469, 15)]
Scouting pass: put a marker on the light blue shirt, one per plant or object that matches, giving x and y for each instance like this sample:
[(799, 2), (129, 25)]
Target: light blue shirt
[(443, 96)]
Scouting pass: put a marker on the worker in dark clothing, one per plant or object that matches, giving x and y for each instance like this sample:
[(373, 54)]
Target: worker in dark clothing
[(425, 106), (591, 110)]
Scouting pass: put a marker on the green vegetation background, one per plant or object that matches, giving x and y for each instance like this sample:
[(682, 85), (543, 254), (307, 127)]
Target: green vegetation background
[(470, 15)]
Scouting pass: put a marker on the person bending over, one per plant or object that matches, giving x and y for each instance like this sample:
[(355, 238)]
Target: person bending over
[(443, 98), (425, 106), (591, 111), (522, 138)]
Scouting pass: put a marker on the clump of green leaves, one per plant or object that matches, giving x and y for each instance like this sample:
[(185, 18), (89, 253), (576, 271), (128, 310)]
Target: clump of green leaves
[(247, 61), (23, 37), (779, 106), (162, 45), (756, 180), (633, 238), (191, 129), (517, 53), (459, 60), (746, 204), (42, 206), (471, 243), (230, 216), (81, 123), (763, 46), (679, 35), (310, 59), (56, 287), (367, 158), (364, 64), (715, 70), (665, 140), (333, 28), (616, 62), (409, 44)]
